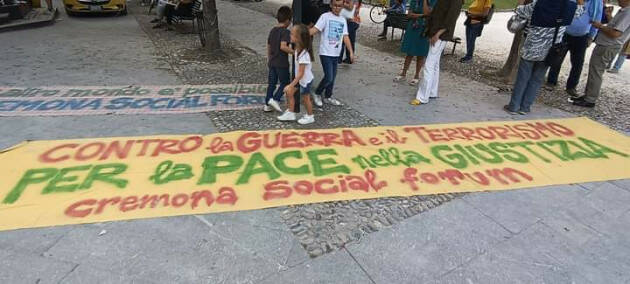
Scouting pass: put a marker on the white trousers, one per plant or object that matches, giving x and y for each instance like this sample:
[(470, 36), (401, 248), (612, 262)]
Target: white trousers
[(431, 73)]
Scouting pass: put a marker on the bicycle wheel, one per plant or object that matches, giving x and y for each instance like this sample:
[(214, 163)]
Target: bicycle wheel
[(377, 14), (201, 29)]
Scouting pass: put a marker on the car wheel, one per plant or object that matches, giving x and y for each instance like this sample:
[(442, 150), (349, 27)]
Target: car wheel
[(124, 12)]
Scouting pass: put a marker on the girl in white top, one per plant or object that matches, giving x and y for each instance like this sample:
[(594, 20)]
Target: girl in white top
[(303, 76)]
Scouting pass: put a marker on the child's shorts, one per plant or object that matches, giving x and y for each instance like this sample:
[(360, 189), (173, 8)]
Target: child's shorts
[(307, 89)]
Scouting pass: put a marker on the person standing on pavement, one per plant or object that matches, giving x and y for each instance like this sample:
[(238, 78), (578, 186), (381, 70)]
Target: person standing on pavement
[(578, 36), (333, 30), (440, 29), (624, 54), (414, 42), (353, 7), (532, 66), (476, 15), (610, 39), (278, 51)]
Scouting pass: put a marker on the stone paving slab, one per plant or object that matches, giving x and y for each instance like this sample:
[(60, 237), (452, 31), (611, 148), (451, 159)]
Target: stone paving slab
[(259, 232), (337, 267), (87, 274), (428, 245), (69, 127), (174, 249), (610, 199), (537, 255), (516, 210), (21, 267)]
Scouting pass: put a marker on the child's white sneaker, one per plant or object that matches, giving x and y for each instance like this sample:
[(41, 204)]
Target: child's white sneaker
[(307, 119), (287, 116), (317, 99), (274, 105), (267, 108)]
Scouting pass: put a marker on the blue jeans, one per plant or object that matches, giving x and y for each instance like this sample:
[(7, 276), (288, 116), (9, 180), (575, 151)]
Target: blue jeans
[(329, 65), (577, 45), (352, 34), (621, 57), (472, 32), (530, 77), (276, 74)]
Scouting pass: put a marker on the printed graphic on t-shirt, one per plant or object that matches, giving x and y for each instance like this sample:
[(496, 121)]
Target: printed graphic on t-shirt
[(335, 31)]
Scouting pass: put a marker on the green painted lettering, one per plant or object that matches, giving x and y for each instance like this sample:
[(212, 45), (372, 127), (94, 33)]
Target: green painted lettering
[(214, 165), (257, 164), (53, 186), (281, 165), (318, 164), (31, 176), (106, 173)]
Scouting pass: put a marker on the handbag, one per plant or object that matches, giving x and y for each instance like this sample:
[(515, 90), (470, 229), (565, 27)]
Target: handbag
[(554, 56), (516, 23)]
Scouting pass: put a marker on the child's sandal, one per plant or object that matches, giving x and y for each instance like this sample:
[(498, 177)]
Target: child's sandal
[(415, 102), (399, 78), (414, 82)]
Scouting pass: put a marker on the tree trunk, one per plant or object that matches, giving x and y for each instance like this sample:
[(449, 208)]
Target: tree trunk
[(510, 68), (211, 25)]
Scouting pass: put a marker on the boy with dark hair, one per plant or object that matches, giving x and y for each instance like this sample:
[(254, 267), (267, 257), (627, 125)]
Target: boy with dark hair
[(278, 51), (334, 30)]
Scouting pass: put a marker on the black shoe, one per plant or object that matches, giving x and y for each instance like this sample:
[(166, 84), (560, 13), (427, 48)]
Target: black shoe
[(465, 59), (347, 61), (506, 108), (582, 102), (573, 93), (154, 21)]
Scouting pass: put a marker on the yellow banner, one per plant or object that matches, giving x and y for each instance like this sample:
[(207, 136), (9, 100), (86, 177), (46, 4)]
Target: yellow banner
[(47, 183)]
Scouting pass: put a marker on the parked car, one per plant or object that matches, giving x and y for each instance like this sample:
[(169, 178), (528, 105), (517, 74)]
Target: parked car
[(74, 7)]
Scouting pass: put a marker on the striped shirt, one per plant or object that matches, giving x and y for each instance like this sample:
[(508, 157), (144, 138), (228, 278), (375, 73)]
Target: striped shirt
[(539, 39)]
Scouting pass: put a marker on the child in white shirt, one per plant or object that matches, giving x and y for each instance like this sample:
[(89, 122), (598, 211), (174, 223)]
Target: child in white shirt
[(303, 76)]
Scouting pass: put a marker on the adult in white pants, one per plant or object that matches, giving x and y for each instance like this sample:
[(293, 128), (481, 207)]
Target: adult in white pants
[(431, 73), (440, 28)]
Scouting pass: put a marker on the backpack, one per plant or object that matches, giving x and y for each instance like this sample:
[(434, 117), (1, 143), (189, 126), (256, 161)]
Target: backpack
[(550, 13), (488, 17)]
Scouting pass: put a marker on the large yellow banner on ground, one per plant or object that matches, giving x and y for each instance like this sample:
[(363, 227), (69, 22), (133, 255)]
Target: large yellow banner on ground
[(47, 183)]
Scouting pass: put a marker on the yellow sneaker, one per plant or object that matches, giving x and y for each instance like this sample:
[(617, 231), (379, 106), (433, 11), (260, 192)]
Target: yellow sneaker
[(415, 102)]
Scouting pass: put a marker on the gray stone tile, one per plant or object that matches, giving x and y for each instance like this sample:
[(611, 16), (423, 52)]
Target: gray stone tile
[(427, 245), (604, 260), (519, 209), (592, 185), (70, 127), (260, 232), (35, 241), (536, 255), (610, 227), (623, 183), (88, 274), (571, 227), (610, 199), (336, 267), (174, 249), (18, 267)]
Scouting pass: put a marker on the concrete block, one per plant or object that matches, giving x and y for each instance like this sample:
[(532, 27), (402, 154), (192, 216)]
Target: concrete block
[(336, 267), (88, 274), (25, 267), (173, 249), (35, 241), (428, 245), (519, 209), (536, 255), (610, 199)]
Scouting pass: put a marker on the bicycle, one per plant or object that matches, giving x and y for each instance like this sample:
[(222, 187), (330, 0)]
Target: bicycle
[(377, 12)]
